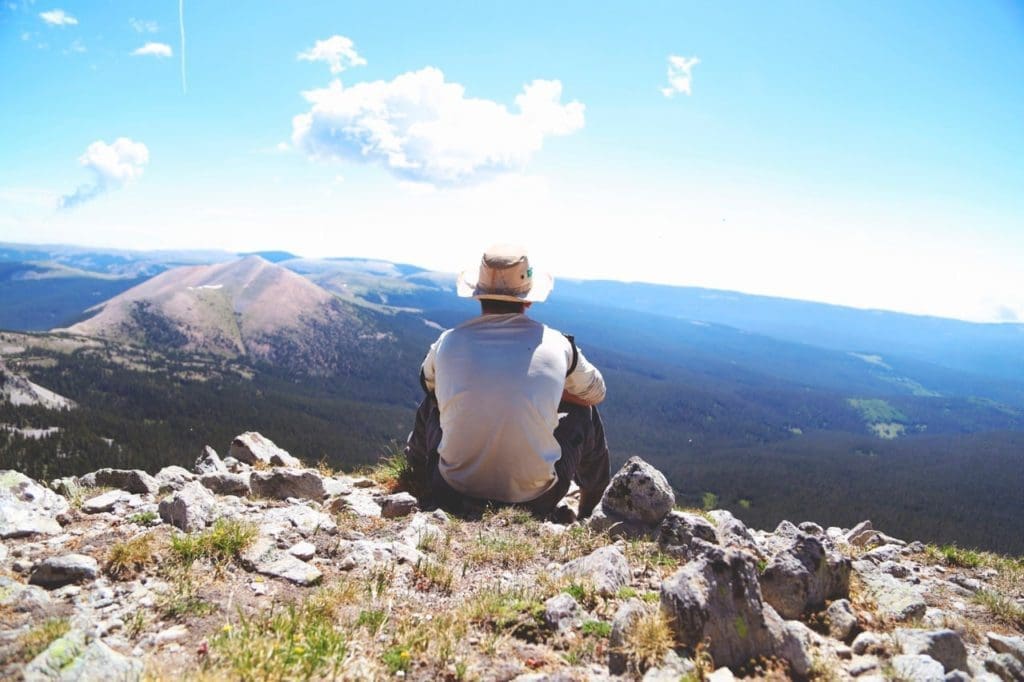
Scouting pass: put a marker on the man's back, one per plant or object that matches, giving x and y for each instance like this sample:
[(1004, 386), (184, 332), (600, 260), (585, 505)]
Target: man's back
[(498, 381)]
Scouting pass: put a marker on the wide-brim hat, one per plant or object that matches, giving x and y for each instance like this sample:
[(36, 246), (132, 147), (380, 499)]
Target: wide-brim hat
[(505, 274)]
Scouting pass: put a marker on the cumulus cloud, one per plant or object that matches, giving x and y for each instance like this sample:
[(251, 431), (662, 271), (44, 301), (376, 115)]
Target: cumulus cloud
[(338, 52), (680, 75), (153, 50), (58, 17), (112, 165), (143, 25), (424, 129)]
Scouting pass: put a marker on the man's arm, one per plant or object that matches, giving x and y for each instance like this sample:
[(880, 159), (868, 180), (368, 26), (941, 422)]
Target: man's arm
[(585, 385), (428, 375)]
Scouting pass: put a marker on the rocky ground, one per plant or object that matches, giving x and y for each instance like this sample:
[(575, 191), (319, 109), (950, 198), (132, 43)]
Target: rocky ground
[(254, 567)]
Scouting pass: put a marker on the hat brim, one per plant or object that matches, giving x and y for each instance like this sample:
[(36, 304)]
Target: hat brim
[(466, 287)]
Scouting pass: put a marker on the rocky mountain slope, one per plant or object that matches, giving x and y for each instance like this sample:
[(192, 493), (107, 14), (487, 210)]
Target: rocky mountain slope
[(18, 390), (254, 567), (248, 307)]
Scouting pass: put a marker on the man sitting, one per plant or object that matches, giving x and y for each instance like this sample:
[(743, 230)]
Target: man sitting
[(509, 414)]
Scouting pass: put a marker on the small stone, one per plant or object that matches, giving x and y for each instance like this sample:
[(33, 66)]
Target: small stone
[(209, 462), (606, 569), (63, 570), (192, 508), (1006, 666), (105, 502), (303, 550), (944, 646), (252, 447), (919, 668), (560, 610), (861, 665), (172, 634), (173, 478), (130, 480), (362, 482), (1002, 644), (869, 643), (265, 558), (227, 483), (398, 504), (842, 622)]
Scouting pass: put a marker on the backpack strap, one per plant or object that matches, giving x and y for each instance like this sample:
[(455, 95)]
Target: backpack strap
[(575, 353)]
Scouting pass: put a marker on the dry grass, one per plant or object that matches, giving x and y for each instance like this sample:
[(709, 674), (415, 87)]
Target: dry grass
[(35, 641), (649, 639), (126, 559)]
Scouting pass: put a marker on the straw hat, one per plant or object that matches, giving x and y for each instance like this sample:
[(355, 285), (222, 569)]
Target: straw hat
[(505, 275)]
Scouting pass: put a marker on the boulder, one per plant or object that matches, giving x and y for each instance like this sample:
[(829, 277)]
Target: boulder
[(399, 504), (227, 483), (717, 598), (945, 646), (251, 447), (358, 502), (17, 597), (65, 569), (303, 550), (685, 535), (130, 480), (638, 492), (173, 478), (280, 484), (560, 610), (74, 657), (803, 576), (265, 558), (917, 667), (605, 569), (209, 462), (842, 622), (192, 508), (27, 508), (869, 643)]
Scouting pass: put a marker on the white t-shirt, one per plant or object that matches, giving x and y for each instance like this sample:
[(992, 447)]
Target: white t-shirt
[(498, 381)]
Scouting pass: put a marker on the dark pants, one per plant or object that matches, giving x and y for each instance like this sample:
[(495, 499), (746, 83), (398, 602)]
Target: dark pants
[(584, 459)]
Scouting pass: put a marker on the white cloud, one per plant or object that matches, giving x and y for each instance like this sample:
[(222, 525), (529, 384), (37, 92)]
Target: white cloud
[(680, 75), (153, 50), (113, 165), (423, 129), (75, 46), (337, 51), (143, 25), (58, 17)]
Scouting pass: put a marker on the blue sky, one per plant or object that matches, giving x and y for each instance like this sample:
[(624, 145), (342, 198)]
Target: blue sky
[(862, 153)]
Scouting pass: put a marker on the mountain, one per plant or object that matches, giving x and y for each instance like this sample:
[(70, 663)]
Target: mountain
[(16, 390), (249, 307)]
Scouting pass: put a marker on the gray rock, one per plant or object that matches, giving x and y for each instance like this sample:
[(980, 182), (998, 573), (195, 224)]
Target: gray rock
[(895, 599), (672, 668), (226, 483), (251, 447), (57, 571), (67, 486), (861, 534), (615, 526), (27, 508), (1006, 645), (862, 664), (623, 622), (969, 584), (945, 646), (957, 676), (894, 568), (803, 576), (18, 597), (209, 462), (337, 486), (306, 521), (869, 643), (398, 504), (105, 502), (732, 533), (192, 508), (717, 598), (131, 480), (265, 558), (173, 478), (303, 550), (74, 658), (560, 610), (371, 553), (884, 553), (638, 492), (812, 528), (793, 643), (842, 622), (358, 502), (1006, 666), (918, 667), (280, 484), (605, 569), (682, 535)]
